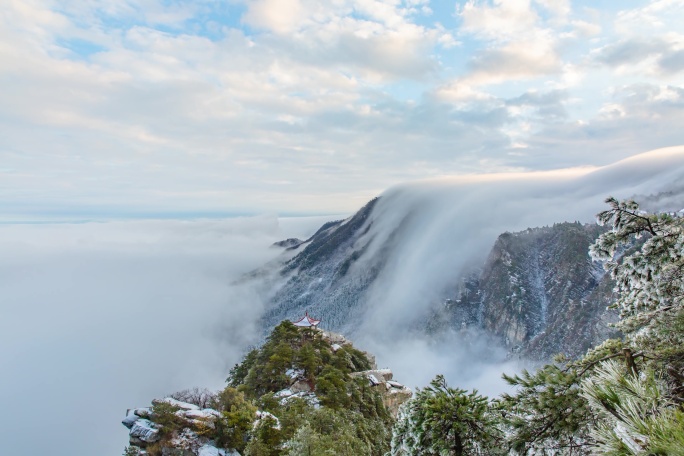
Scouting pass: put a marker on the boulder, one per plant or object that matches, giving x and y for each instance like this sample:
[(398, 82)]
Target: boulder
[(300, 386), (133, 415), (145, 430), (393, 398), (130, 419), (204, 414)]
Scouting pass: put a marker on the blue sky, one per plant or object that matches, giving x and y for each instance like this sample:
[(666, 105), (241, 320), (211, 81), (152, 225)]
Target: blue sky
[(173, 108)]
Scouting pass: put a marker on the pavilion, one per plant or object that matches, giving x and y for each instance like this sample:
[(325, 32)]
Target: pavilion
[(306, 321)]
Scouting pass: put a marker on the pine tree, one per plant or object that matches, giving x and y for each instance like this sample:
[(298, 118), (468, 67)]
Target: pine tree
[(546, 414), (443, 420), (638, 404), (650, 280)]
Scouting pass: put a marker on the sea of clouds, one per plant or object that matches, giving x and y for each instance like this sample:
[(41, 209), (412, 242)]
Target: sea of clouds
[(99, 317)]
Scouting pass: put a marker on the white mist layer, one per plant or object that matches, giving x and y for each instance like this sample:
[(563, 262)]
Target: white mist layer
[(98, 317), (447, 225)]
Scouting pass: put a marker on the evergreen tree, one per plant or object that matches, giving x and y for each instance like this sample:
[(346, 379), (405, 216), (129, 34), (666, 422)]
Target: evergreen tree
[(546, 414), (446, 421), (638, 404)]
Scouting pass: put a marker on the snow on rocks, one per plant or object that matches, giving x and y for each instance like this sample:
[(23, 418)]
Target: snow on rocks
[(261, 415), (133, 415), (211, 450), (284, 393), (187, 440), (287, 394), (378, 375), (393, 393), (204, 414), (176, 403), (145, 430), (294, 374)]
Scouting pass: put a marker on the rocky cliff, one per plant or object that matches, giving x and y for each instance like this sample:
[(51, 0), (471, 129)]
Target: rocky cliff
[(539, 292), (275, 399)]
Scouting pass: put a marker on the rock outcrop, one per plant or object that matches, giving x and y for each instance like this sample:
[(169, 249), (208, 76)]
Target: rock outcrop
[(393, 394), (298, 375), (145, 431), (539, 293)]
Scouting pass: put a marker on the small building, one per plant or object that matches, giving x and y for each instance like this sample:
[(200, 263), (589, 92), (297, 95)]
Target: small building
[(306, 321)]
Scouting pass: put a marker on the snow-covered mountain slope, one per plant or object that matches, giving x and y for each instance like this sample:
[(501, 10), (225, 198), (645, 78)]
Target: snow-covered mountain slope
[(538, 293), (392, 265)]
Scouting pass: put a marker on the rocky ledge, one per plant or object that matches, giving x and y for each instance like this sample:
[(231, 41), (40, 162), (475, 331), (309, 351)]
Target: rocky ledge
[(145, 430)]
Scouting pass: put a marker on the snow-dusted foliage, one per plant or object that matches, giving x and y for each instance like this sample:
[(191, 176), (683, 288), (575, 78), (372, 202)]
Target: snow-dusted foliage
[(651, 279), (443, 420), (628, 408)]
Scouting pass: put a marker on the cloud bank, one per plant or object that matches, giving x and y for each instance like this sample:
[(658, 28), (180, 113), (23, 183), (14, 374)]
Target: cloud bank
[(99, 317), (435, 231)]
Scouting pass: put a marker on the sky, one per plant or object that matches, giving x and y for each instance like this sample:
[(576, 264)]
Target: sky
[(160, 108)]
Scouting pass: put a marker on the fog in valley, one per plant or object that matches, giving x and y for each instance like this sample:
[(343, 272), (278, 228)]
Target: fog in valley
[(99, 317)]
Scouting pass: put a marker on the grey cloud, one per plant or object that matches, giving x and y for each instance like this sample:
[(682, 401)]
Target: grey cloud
[(549, 106), (382, 55), (672, 62), (650, 118), (669, 59), (630, 51)]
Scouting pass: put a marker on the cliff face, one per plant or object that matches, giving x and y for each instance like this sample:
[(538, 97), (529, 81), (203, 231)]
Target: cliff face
[(540, 292)]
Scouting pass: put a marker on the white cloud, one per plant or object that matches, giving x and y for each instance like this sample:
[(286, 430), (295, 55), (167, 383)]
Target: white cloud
[(559, 8), (586, 29), (370, 89), (280, 16), (502, 20), (655, 17), (516, 60), (458, 91)]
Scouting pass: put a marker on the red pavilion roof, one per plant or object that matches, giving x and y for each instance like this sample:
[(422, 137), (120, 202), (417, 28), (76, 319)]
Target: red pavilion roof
[(306, 321)]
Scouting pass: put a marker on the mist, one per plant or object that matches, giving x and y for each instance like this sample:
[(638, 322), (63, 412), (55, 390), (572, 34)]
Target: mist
[(96, 318), (99, 317), (439, 229)]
